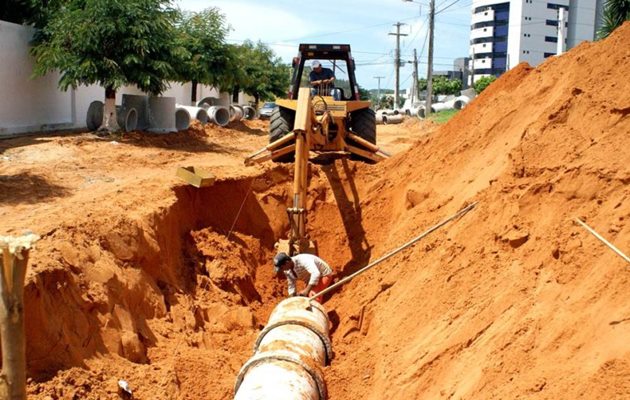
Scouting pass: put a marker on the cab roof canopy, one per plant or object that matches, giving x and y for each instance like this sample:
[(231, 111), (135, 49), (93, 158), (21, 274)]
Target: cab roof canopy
[(329, 51)]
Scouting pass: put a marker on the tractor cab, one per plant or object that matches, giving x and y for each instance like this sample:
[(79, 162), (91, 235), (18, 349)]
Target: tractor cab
[(335, 57)]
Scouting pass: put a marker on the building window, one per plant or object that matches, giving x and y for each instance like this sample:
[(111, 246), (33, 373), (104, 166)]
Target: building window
[(553, 6), (551, 39), (551, 22), (547, 55)]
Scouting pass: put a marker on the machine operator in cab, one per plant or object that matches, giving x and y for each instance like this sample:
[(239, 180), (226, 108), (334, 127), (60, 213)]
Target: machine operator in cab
[(322, 79)]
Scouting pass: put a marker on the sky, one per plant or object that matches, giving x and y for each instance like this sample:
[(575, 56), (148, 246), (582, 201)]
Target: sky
[(364, 24)]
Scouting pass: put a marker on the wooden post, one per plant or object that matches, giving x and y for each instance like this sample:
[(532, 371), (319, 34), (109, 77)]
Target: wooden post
[(13, 264)]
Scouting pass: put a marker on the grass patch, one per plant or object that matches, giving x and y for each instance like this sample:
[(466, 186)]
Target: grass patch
[(442, 117)]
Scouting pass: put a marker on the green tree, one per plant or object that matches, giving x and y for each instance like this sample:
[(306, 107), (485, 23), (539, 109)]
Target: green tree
[(258, 72), (482, 83), (203, 54), (110, 43), (422, 84), (29, 12), (443, 85), (364, 94), (615, 13)]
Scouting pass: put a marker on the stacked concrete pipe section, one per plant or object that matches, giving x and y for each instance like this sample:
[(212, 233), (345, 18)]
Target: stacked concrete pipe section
[(218, 115), (288, 355), (185, 114), (249, 112), (236, 113)]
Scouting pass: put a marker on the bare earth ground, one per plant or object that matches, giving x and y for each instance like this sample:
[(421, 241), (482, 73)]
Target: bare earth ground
[(141, 278), (85, 194)]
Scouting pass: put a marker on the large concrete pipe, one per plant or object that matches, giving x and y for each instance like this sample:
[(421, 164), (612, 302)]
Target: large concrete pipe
[(207, 102), (236, 113), (219, 115), (141, 104), (392, 119), (461, 102), (162, 114), (197, 113), (127, 118), (436, 107), (289, 354), (249, 112), (94, 117), (182, 119)]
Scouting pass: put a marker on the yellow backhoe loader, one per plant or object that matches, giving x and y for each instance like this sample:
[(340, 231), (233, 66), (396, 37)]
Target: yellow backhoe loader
[(314, 123)]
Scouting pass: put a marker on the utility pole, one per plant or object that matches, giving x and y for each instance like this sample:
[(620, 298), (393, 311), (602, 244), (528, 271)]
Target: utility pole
[(378, 96), (415, 77), (397, 61), (430, 67), (472, 68)]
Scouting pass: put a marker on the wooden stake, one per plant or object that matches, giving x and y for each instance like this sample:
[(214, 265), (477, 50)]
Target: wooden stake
[(15, 252)]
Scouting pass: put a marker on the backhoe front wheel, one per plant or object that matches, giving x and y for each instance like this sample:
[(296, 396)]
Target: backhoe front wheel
[(363, 124), (280, 124)]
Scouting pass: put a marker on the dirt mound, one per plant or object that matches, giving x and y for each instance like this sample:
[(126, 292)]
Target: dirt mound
[(138, 277), (513, 300)]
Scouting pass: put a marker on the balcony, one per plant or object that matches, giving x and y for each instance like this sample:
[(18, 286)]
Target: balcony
[(483, 63), (481, 48), (481, 33), (484, 16)]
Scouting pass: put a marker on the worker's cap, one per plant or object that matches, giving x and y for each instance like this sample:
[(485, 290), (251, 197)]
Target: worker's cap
[(279, 260), (316, 64)]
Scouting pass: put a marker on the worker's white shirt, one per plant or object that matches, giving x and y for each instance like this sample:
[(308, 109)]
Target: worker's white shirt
[(308, 268)]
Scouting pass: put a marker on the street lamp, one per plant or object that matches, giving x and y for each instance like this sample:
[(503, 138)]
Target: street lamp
[(417, 2)]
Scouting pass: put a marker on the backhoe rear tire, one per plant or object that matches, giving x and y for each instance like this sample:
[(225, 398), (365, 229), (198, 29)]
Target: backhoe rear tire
[(280, 124)]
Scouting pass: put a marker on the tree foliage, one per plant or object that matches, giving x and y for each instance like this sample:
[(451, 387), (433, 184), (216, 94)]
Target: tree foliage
[(29, 12), (109, 42), (615, 13), (441, 85), (258, 72), (202, 54), (364, 94), (482, 83)]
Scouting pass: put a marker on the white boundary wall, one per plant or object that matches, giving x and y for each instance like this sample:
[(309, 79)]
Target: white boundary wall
[(38, 105)]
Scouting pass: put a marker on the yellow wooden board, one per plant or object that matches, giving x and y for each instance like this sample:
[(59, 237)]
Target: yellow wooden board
[(198, 177)]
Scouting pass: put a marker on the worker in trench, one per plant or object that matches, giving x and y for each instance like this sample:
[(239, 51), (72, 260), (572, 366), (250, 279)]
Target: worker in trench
[(308, 268)]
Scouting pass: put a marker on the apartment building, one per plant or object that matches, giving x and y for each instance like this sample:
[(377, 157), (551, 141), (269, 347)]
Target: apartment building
[(505, 33)]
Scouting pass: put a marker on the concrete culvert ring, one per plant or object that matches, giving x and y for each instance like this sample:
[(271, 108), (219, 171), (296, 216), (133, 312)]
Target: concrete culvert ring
[(202, 116), (94, 117), (219, 115), (182, 119), (131, 120)]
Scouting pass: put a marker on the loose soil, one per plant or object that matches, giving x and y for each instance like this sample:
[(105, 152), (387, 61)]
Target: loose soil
[(139, 277)]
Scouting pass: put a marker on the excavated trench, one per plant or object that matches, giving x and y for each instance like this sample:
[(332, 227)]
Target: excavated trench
[(183, 289)]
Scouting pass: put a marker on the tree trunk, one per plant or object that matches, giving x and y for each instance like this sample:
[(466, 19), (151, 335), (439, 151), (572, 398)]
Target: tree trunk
[(235, 94), (110, 121), (256, 100), (193, 94), (12, 274)]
